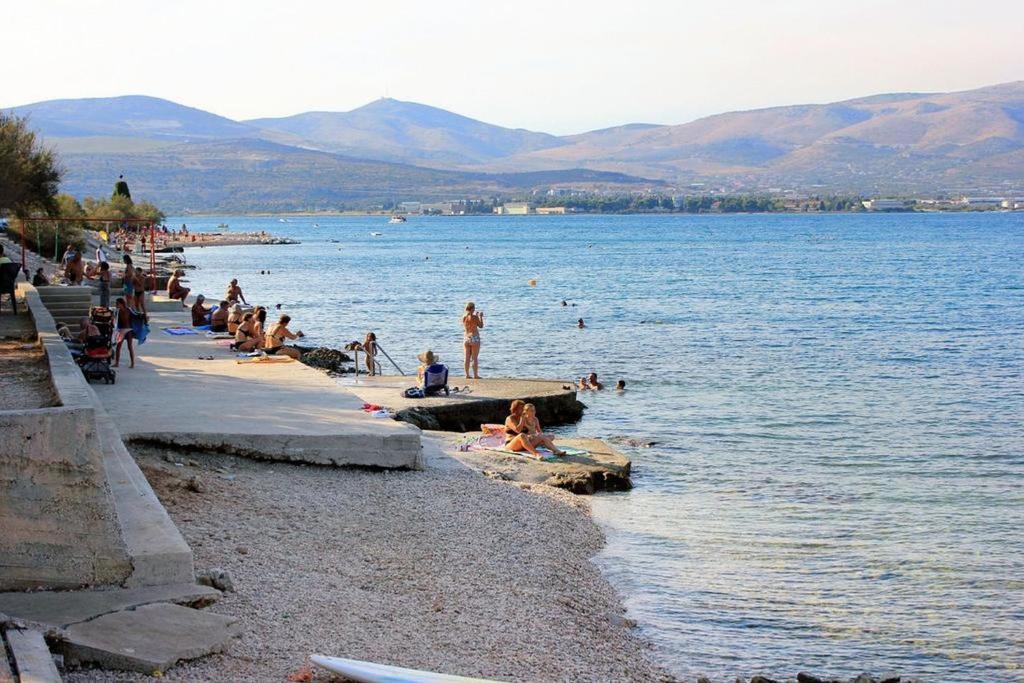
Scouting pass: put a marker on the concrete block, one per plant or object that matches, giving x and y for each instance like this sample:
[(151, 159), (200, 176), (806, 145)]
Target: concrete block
[(61, 609), (148, 639), (32, 657)]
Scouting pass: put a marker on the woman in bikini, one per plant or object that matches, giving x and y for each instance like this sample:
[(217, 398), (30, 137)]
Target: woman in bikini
[(274, 341), (235, 319), (472, 321), (128, 279), (530, 426), (245, 338), (523, 433)]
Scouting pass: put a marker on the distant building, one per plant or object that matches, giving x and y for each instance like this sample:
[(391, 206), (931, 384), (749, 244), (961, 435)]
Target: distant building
[(1013, 203), (513, 209), (410, 207), (980, 201), (550, 210), (884, 204)]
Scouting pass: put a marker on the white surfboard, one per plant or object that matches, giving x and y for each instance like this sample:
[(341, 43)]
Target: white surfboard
[(369, 672)]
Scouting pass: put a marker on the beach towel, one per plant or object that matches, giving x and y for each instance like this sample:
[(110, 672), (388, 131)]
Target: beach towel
[(266, 359), (201, 327), (219, 335), (493, 439), (139, 326), (177, 331)]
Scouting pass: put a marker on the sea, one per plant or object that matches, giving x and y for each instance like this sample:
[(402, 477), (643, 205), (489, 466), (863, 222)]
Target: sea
[(824, 411)]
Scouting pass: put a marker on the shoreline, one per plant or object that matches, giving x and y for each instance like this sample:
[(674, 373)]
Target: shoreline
[(441, 569)]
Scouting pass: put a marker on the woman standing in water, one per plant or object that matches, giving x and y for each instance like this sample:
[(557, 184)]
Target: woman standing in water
[(472, 321)]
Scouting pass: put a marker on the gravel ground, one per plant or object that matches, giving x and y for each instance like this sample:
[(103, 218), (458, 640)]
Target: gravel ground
[(443, 570), (24, 373)]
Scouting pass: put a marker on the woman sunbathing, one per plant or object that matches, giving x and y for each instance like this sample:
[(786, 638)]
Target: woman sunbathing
[(523, 432), (235, 319), (245, 335), (273, 343)]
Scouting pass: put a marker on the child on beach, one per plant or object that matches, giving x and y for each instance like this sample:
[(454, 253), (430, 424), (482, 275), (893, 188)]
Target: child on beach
[(104, 279), (370, 348)]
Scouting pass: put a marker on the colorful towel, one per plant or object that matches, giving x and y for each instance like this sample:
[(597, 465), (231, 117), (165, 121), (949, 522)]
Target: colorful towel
[(201, 327), (266, 359), (177, 331)]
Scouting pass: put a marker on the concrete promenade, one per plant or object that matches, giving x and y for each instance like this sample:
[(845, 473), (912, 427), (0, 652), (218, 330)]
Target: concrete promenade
[(487, 401), (276, 411)]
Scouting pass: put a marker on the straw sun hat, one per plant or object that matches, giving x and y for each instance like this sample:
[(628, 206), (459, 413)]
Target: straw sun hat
[(427, 357)]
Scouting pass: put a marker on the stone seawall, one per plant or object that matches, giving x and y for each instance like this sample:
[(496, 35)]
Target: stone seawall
[(58, 520), (74, 508), (60, 528)]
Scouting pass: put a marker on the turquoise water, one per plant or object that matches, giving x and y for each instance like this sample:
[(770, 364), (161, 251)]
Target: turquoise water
[(838, 479)]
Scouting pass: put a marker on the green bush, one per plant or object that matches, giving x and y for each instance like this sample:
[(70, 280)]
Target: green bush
[(49, 238)]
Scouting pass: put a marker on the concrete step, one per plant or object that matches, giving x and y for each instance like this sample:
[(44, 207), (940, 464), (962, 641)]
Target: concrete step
[(53, 292), (32, 659)]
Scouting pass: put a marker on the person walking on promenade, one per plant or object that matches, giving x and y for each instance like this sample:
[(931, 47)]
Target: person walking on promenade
[(472, 321)]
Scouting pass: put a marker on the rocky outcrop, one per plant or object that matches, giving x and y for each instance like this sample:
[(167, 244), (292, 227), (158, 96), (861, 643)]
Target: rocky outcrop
[(601, 469), (326, 358)]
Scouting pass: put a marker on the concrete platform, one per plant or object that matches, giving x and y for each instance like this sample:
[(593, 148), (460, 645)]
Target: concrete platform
[(149, 639), (274, 411), (61, 609), (602, 469), (487, 402)]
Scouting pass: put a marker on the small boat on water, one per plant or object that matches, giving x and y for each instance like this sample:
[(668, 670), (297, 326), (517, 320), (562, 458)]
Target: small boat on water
[(376, 234), (222, 226), (369, 672), (397, 219)]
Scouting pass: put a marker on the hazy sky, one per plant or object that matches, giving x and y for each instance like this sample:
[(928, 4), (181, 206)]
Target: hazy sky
[(555, 66)]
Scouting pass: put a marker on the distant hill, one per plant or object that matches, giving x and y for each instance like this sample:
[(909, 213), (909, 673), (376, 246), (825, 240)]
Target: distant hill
[(130, 116), (246, 175), (898, 141), (970, 141), (408, 132)]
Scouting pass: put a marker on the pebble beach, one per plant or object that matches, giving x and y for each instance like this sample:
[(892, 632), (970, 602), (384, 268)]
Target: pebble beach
[(443, 570)]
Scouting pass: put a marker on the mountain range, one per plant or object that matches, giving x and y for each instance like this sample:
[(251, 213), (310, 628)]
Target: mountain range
[(187, 158)]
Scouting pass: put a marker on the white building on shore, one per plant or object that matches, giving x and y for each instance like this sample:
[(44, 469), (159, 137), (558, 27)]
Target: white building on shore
[(884, 204)]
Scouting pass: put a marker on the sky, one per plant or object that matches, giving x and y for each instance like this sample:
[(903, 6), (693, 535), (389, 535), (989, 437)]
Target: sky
[(554, 66)]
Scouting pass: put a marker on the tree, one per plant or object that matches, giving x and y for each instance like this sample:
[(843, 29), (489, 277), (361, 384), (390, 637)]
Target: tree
[(121, 189), (29, 172)]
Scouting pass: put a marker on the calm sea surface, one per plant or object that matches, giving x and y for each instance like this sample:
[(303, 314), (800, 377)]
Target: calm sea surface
[(837, 401)]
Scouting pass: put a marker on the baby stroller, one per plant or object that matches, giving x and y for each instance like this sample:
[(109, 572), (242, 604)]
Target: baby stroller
[(99, 349)]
